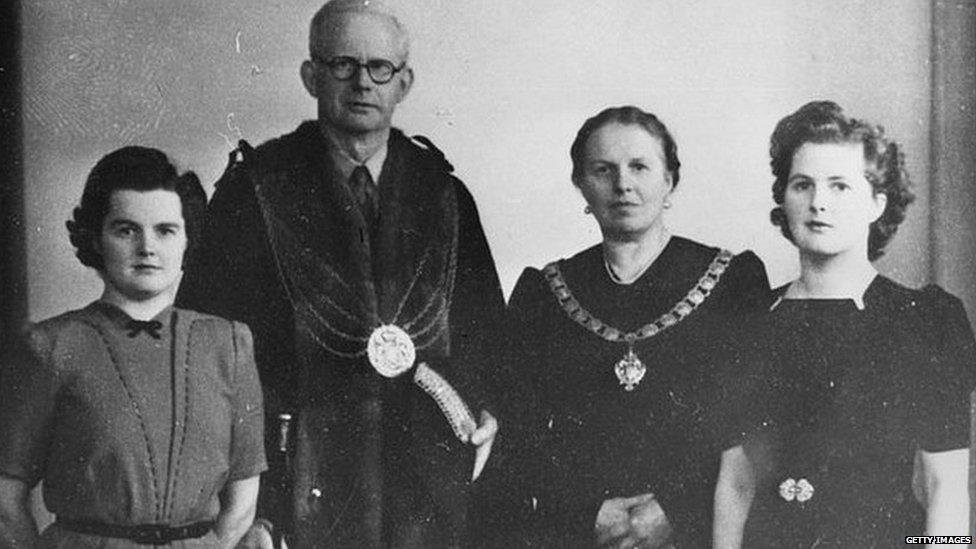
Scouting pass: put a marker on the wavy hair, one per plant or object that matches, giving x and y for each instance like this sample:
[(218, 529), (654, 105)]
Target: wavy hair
[(136, 169), (884, 164)]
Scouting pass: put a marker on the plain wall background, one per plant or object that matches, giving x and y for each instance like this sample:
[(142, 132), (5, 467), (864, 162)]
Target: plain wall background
[(502, 86)]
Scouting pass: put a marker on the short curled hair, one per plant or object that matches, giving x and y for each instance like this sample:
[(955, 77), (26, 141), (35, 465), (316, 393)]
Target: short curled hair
[(627, 115), (884, 164), (136, 169)]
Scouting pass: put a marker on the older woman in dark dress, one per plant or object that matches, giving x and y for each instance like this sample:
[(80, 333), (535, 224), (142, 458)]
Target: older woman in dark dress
[(144, 421), (616, 344), (863, 432)]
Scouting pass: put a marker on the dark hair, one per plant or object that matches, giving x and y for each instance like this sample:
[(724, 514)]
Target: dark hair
[(628, 115), (884, 164), (136, 169)]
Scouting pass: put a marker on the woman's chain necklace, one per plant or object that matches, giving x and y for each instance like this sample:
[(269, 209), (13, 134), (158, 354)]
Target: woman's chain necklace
[(630, 369)]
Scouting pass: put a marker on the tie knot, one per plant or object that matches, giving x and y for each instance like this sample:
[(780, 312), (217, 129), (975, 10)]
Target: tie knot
[(151, 327), (360, 176)]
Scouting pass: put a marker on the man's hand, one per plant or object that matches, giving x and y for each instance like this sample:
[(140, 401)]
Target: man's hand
[(482, 437), (613, 519)]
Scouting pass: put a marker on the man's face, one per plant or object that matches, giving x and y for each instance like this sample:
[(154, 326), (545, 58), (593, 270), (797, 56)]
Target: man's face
[(357, 105)]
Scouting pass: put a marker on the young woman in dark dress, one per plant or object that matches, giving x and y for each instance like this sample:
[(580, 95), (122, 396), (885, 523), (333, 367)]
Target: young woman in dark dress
[(615, 347), (864, 430), (144, 421)]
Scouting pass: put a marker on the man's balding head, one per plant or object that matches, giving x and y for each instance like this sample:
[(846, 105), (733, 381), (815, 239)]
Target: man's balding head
[(331, 14), (357, 68)]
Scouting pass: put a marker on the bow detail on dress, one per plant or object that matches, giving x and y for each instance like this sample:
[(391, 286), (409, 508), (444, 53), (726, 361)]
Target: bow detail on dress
[(151, 327)]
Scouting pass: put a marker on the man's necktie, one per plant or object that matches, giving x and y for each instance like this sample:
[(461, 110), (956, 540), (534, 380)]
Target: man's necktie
[(151, 327), (363, 188)]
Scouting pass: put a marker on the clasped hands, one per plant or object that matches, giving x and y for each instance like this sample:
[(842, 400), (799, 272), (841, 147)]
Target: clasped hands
[(633, 522)]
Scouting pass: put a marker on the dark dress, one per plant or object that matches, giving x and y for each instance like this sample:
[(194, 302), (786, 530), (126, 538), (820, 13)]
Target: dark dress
[(850, 395), (370, 461), (587, 438), (131, 430)]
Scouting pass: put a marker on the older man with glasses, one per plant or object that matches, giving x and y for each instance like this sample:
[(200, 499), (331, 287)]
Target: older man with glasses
[(360, 264)]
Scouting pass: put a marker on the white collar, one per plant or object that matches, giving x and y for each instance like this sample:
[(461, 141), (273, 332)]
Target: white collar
[(346, 164)]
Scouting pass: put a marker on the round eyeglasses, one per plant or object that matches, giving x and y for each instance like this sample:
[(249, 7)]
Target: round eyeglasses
[(380, 71)]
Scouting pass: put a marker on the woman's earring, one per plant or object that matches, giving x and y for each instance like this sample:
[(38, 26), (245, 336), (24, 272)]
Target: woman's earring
[(587, 210), (667, 204)]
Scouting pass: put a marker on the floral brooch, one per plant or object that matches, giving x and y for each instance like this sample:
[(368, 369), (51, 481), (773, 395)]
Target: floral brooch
[(799, 490)]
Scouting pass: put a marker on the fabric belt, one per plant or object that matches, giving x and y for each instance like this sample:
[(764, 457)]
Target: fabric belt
[(143, 534)]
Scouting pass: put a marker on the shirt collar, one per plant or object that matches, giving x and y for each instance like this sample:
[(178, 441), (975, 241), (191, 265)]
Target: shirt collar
[(346, 164)]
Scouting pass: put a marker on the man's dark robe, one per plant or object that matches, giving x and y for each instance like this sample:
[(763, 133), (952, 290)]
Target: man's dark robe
[(371, 461)]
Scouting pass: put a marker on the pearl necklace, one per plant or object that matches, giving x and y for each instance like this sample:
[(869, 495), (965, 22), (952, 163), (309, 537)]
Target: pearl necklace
[(630, 280), (617, 279)]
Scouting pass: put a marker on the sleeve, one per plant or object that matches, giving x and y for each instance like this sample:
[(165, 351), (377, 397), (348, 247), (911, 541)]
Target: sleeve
[(735, 406), (744, 386), (247, 457), (946, 384), (477, 310), (566, 510), (524, 408), (521, 358), (519, 408), (747, 286), (740, 384), (28, 390), (502, 499)]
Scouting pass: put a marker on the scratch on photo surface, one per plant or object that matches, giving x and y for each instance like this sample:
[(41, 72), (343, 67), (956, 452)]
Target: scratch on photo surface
[(159, 116), (233, 127), (230, 144), (233, 132), (237, 41)]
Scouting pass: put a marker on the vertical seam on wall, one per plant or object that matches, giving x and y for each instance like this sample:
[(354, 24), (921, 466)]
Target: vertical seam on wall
[(934, 139)]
